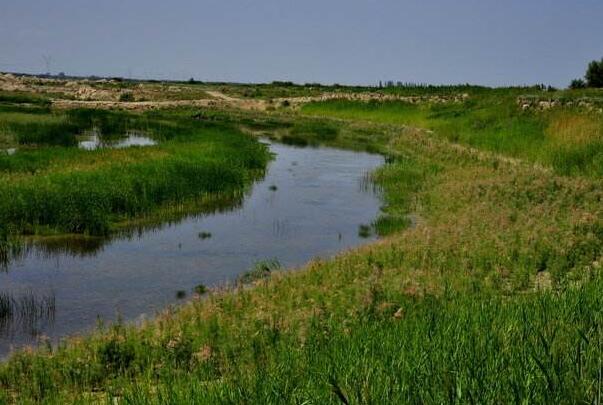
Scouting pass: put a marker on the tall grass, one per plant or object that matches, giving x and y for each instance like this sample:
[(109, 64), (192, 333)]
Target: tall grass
[(45, 127), (60, 133), (456, 348), (70, 190), (569, 139), (12, 97)]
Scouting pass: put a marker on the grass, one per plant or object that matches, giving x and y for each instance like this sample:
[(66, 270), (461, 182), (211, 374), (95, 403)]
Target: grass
[(60, 189), (310, 133), (15, 97), (493, 296), (365, 231), (48, 127), (569, 139), (200, 289), (260, 270)]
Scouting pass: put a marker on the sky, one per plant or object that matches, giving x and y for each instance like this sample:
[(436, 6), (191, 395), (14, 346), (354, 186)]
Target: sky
[(487, 42)]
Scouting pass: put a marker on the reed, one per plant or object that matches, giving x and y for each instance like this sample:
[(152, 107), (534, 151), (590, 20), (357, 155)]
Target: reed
[(24, 312), (68, 190)]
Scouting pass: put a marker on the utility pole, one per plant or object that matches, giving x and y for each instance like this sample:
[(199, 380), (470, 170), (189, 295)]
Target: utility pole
[(47, 61)]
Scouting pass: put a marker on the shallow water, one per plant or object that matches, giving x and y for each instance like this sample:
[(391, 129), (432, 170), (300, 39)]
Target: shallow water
[(94, 141), (310, 204)]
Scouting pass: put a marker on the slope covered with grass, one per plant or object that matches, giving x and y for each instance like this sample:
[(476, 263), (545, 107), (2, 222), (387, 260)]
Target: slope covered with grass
[(569, 139)]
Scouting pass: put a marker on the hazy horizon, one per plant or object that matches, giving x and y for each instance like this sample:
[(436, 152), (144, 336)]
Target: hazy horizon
[(353, 42)]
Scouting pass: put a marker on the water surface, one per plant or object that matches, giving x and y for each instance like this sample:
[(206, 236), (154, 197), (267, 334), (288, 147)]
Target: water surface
[(132, 138), (310, 203)]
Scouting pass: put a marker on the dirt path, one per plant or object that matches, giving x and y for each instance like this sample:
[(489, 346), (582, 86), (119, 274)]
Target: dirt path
[(219, 100), (133, 105), (221, 96)]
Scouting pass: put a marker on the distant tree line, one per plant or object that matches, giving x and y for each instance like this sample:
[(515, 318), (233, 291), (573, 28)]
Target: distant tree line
[(593, 77)]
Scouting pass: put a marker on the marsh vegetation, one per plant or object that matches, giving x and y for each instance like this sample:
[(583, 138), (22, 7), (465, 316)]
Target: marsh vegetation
[(50, 186)]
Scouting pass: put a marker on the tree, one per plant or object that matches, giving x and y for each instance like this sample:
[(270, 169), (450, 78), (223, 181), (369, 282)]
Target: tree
[(594, 74), (577, 84)]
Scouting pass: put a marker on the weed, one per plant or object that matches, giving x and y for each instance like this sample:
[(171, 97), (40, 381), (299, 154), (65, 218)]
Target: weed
[(365, 231), (200, 289), (260, 270)]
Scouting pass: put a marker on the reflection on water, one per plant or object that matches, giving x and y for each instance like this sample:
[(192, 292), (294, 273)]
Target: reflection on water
[(82, 246), (96, 141), (368, 185), (310, 203), (25, 313)]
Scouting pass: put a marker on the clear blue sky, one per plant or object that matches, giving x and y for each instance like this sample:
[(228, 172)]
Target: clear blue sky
[(491, 42)]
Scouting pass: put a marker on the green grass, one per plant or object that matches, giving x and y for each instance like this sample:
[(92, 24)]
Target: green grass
[(493, 296), (400, 180), (46, 127), (260, 270), (492, 120), (14, 97), (68, 190), (310, 133)]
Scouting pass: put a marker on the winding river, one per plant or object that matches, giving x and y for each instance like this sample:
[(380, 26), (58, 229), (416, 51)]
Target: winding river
[(310, 204)]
